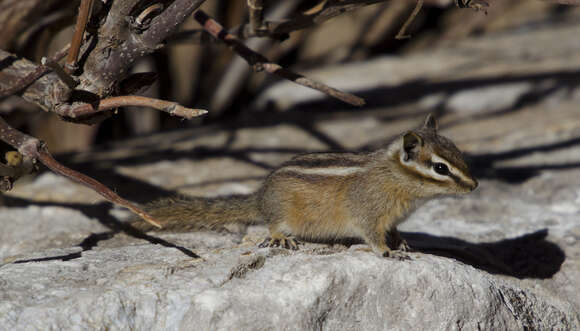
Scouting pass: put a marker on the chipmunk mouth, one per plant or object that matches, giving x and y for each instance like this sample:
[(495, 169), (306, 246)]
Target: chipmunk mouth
[(473, 185)]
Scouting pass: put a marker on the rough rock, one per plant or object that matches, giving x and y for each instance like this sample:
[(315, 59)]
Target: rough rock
[(504, 257)]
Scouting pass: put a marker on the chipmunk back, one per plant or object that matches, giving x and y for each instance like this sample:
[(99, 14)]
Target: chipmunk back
[(327, 196)]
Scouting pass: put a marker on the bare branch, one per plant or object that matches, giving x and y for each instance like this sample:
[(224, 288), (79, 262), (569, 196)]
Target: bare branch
[(48, 91), (173, 108), (24, 82), (322, 12), (402, 33), (33, 148), (128, 40), (113, 54), (82, 19), (260, 62)]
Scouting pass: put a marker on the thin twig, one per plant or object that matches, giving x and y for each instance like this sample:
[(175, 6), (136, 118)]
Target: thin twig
[(324, 11), (25, 81), (403, 32), (62, 73), (33, 76), (61, 53), (170, 107), (34, 149), (82, 19), (256, 9), (47, 159), (260, 62)]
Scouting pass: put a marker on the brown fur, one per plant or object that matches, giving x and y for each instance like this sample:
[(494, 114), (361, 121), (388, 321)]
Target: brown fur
[(325, 196)]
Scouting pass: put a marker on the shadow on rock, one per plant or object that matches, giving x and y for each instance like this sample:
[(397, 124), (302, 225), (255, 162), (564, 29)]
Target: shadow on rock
[(483, 166), (101, 213), (528, 256)]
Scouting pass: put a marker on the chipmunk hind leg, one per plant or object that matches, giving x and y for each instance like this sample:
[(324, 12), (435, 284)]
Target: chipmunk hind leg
[(279, 238)]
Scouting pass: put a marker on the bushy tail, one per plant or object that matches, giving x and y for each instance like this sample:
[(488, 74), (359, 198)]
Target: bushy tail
[(183, 214)]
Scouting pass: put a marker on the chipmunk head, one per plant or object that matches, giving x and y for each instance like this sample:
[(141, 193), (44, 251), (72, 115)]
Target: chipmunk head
[(434, 162)]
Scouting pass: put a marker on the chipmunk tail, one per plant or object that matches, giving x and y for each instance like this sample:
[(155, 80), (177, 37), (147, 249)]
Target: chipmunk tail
[(184, 214)]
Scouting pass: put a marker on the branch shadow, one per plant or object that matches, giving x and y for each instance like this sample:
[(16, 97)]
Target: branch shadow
[(100, 212), (483, 167), (527, 256), (410, 91)]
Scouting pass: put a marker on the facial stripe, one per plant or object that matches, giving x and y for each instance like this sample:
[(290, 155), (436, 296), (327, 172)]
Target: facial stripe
[(425, 171), (455, 172)]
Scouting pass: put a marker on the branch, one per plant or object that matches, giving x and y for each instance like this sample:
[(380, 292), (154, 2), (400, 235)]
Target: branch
[(34, 149), (82, 19), (402, 33), (324, 11), (130, 34), (24, 82), (173, 108), (30, 78), (260, 62), (37, 77)]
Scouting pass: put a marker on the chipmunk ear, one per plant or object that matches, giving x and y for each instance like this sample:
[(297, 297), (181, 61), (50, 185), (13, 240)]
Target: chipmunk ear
[(411, 144), (430, 123)]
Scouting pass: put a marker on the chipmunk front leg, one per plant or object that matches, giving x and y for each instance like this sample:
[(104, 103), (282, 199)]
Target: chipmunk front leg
[(377, 239), (278, 239), (397, 241)]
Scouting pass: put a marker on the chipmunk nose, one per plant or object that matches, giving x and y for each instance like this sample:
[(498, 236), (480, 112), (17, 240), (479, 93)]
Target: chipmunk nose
[(474, 184)]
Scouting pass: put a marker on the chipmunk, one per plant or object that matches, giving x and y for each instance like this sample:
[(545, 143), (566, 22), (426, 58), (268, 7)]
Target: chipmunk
[(326, 196)]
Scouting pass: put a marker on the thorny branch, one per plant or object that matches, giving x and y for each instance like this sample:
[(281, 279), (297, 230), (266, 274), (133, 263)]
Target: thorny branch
[(34, 149), (259, 62)]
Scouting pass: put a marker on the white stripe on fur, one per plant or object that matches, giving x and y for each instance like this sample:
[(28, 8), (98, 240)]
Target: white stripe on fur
[(327, 171)]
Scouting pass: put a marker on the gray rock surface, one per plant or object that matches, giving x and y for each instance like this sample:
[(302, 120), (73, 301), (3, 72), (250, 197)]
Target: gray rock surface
[(504, 257)]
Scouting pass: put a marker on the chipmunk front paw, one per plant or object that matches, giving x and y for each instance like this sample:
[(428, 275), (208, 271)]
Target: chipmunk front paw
[(397, 255), (403, 246), (280, 241)]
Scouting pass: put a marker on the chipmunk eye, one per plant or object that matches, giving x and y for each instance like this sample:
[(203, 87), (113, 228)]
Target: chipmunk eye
[(441, 168)]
